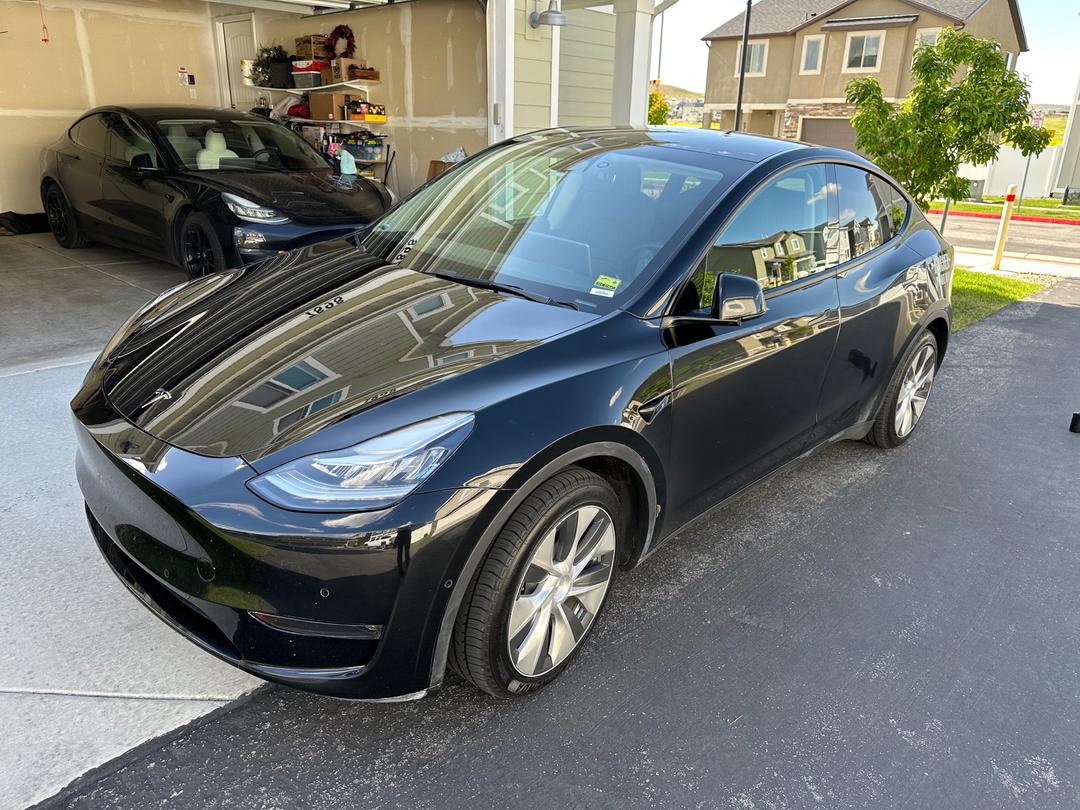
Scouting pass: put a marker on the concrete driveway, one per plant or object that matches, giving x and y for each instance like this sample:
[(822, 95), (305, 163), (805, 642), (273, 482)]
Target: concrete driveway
[(869, 629), (86, 673)]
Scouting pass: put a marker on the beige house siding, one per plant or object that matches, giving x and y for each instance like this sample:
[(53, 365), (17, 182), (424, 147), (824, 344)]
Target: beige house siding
[(532, 72), (822, 94), (432, 62), (99, 53), (586, 68)]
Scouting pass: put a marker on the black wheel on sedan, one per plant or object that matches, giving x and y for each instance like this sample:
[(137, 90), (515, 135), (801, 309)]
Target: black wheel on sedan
[(538, 593), (906, 396), (200, 250), (62, 223)]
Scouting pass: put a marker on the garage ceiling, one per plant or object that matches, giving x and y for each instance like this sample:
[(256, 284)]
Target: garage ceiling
[(304, 6)]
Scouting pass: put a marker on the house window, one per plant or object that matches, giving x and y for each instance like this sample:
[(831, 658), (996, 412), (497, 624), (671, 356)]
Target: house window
[(429, 306), (926, 36), (291, 418), (812, 50), (864, 52), (285, 384), (757, 56)]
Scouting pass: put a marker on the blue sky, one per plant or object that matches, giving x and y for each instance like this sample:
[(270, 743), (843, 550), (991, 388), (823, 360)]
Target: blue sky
[(1052, 64)]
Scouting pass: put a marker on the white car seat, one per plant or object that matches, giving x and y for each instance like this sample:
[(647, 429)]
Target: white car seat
[(186, 146), (210, 157)]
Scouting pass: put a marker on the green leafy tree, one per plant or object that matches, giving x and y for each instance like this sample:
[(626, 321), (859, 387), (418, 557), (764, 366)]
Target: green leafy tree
[(658, 108), (964, 102)]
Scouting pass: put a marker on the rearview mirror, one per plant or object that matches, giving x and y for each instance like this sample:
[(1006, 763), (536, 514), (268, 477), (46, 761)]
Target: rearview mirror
[(142, 162), (737, 298)]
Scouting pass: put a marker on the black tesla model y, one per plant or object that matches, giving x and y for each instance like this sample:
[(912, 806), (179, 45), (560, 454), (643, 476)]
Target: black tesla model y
[(355, 464), (203, 188)]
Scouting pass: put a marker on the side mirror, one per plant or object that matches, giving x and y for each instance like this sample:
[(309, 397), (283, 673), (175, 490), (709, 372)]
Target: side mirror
[(142, 162), (737, 298)]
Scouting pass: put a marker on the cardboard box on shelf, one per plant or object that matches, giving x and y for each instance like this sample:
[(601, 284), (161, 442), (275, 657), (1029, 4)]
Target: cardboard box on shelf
[(313, 46), (343, 70), (327, 106)]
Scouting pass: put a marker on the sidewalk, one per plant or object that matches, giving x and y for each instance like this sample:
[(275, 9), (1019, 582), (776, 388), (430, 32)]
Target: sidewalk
[(1038, 264)]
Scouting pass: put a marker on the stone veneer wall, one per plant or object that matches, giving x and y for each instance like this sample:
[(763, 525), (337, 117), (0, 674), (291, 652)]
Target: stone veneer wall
[(793, 112)]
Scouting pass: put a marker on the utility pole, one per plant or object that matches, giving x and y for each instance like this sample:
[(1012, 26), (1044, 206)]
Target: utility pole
[(742, 66)]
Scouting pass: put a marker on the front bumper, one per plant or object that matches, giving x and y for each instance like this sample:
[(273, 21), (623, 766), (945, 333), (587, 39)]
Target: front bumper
[(255, 241), (348, 605)]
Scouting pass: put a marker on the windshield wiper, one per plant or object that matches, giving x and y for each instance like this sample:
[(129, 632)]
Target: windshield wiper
[(495, 286)]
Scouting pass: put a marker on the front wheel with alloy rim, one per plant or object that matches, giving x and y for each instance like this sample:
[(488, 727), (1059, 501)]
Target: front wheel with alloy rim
[(907, 394), (65, 228), (541, 587), (200, 250)]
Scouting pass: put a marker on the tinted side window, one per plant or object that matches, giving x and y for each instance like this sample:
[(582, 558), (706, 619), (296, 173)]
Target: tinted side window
[(871, 211), (777, 238), (90, 133), (125, 141)]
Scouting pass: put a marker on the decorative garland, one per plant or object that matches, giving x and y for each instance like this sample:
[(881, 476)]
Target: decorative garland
[(260, 68), (345, 33)]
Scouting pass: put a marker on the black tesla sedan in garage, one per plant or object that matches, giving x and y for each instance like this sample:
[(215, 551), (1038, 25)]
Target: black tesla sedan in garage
[(203, 188), (442, 439)]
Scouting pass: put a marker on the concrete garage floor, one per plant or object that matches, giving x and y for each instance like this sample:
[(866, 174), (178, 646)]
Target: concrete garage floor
[(86, 672), (869, 629)]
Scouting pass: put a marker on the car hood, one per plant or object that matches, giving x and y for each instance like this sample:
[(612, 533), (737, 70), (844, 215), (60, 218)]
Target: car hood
[(314, 198), (267, 355)]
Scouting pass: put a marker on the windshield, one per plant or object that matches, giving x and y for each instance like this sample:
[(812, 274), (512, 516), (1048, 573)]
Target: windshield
[(205, 144), (574, 218)]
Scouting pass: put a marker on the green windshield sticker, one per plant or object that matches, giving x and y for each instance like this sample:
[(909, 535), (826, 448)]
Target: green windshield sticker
[(607, 282)]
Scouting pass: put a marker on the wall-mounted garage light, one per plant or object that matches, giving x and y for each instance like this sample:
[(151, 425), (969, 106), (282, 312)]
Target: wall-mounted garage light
[(552, 16)]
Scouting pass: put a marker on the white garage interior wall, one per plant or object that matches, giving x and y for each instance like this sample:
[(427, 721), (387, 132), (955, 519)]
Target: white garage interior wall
[(98, 53)]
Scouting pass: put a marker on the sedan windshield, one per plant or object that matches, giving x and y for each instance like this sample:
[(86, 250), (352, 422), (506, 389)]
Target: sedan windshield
[(206, 144), (575, 218)]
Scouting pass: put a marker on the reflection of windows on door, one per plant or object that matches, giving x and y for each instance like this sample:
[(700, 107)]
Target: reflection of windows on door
[(863, 52), (321, 404), (778, 237), (285, 384), (872, 211), (429, 306)]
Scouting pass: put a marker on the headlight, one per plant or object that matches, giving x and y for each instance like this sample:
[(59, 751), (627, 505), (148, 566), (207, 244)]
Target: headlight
[(252, 212), (372, 475)]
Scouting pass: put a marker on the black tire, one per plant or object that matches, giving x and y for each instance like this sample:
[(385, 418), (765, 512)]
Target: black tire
[(479, 650), (884, 433), (62, 222), (198, 247)]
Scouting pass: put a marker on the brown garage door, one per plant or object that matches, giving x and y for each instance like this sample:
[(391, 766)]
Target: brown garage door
[(829, 132)]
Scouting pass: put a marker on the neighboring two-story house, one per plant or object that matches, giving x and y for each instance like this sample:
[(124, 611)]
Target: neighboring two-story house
[(803, 53)]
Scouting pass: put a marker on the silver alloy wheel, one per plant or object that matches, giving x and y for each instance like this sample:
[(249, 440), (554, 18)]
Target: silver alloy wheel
[(914, 390), (561, 590)]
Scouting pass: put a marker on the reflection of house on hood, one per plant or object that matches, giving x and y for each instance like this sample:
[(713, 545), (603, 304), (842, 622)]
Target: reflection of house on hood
[(369, 334), (772, 260)]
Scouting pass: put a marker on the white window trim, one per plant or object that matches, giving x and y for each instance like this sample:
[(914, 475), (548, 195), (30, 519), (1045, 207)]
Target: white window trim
[(847, 52), (764, 58), (920, 31), (330, 375), (821, 55)]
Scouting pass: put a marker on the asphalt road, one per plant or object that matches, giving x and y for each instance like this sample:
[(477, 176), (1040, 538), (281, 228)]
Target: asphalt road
[(1038, 238), (869, 629)]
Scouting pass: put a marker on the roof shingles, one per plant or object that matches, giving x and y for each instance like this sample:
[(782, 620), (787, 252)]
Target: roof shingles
[(772, 17)]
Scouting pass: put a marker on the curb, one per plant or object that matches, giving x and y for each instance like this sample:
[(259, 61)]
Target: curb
[(1015, 217)]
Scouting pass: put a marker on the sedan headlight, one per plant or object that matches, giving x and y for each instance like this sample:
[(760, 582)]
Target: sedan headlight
[(372, 475), (251, 211)]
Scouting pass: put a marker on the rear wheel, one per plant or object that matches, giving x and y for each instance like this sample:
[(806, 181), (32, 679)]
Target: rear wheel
[(539, 591), (65, 229), (907, 394), (200, 250)]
